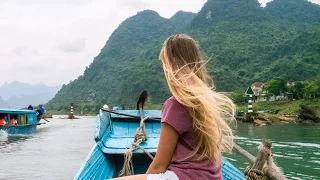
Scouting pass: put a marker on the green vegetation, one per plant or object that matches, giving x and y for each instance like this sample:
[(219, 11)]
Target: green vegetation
[(86, 109), (276, 86), (304, 93), (300, 90), (93, 109), (243, 42)]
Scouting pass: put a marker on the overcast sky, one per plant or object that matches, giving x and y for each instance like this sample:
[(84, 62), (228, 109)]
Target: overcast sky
[(52, 41)]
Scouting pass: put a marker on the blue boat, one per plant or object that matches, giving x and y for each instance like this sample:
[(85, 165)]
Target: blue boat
[(115, 133), (26, 121)]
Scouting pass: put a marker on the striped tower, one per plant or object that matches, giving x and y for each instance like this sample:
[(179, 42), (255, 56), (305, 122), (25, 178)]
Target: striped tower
[(249, 93), (71, 108), (71, 116), (250, 103)]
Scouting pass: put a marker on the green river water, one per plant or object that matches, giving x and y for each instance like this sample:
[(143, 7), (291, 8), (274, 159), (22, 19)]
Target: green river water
[(58, 148), (296, 147)]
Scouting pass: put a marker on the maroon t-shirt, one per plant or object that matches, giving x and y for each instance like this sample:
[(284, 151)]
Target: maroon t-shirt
[(177, 116)]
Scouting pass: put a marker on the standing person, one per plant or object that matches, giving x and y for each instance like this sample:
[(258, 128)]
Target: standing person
[(40, 111), (195, 120)]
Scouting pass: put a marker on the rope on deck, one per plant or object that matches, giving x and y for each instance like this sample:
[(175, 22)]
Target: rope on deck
[(253, 174), (141, 135)]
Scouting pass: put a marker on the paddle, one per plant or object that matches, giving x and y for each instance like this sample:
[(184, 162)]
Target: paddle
[(42, 117), (46, 120), (142, 129), (142, 99)]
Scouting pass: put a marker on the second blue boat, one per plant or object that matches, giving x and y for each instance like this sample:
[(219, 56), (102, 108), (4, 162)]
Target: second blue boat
[(18, 121)]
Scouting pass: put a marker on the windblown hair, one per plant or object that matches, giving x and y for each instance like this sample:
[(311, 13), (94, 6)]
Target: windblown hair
[(190, 84)]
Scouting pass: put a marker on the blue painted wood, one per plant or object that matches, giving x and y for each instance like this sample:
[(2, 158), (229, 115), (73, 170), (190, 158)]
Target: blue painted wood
[(149, 113), (19, 129), (102, 123), (97, 164), (28, 128), (106, 158), (230, 172), (16, 111)]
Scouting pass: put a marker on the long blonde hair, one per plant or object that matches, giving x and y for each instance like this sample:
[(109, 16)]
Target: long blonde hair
[(191, 85)]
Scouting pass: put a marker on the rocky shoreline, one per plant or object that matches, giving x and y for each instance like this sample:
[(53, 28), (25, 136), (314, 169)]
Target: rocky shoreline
[(306, 115)]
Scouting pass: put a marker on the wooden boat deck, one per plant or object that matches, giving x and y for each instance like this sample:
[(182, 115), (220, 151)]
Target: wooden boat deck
[(122, 135)]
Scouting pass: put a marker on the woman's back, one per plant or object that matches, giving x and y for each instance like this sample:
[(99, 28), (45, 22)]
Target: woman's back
[(186, 167), (195, 121)]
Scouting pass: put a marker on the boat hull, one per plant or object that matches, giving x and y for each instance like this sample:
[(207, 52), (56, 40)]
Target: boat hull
[(19, 130), (99, 165)]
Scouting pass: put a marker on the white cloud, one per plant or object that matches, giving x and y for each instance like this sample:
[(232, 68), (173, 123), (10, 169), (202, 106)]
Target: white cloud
[(19, 51), (35, 52), (74, 46), (52, 41)]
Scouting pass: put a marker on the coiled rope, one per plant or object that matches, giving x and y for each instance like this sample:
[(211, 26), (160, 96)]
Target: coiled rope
[(253, 174), (141, 136)]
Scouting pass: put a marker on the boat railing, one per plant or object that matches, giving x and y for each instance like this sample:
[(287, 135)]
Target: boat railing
[(22, 125), (263, 164)]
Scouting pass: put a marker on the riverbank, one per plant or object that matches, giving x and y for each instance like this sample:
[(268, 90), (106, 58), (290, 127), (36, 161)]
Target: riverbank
[(266, 113), (283, 107), (290, 108), (80, 111), (53, 112)]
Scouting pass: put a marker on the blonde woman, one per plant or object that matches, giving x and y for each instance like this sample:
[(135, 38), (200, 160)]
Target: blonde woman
[(195, 120)]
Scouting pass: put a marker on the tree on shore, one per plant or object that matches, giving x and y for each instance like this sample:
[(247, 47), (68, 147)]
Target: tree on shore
[(276, 86), (312, 89), (297, 90)]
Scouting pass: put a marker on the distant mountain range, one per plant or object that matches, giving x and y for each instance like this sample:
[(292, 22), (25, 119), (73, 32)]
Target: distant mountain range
[(19, 95), (3, 104)]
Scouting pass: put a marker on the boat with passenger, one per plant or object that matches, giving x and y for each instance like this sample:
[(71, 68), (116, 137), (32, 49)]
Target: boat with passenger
[(15, 121)]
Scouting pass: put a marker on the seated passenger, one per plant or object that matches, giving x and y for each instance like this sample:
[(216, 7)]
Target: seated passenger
[(105, 107), (13, 121), (30, 107), (115, 108), (3, 121)]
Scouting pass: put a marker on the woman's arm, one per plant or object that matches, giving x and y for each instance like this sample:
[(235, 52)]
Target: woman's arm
[(167, 145)]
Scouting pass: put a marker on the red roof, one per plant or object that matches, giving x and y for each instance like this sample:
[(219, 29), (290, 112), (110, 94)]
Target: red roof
[(257, 84)]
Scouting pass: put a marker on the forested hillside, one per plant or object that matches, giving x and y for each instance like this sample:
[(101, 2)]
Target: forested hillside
[(243, 42)]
